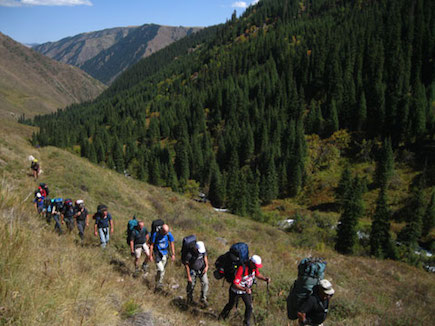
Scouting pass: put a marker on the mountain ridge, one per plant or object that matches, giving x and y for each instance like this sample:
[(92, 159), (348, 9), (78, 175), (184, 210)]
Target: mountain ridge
[(107, 53)]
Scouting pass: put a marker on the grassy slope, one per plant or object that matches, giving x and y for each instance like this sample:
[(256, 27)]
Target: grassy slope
[(50, 280), (33, 84)]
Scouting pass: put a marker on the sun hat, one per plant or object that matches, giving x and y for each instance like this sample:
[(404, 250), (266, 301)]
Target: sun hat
[(38, 195), (326, 287), (200, 246), (257, 261)]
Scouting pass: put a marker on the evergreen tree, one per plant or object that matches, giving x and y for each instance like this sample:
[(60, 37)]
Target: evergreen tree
[(344, 186), (429, 217), (385, 164), (412, 231), (380, 240), (92, 153), (217, 188), (353, 208), (118, 156)]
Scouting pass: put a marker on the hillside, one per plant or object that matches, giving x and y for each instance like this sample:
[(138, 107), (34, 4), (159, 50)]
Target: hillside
[(106, 54), (48, 279), (78, 49), (31, 83)]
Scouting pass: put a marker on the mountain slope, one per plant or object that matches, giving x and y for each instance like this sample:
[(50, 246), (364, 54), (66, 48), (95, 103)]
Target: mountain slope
[(78, 49), (51, 280), (33, 84), (105, 54)]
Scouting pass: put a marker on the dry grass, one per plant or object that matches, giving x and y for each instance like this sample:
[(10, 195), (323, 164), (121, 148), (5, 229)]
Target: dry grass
[(51, 280)]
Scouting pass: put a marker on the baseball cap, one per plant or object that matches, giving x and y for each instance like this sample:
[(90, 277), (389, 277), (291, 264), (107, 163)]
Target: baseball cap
[(200, 246), (257, 261)]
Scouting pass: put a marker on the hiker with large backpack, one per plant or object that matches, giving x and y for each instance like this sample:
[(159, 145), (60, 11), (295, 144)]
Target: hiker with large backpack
[(246, 271), (68, 214), (315, 309), (35, 167), (161, 241), (103, 221), (138, 241), (194, 258), (56, 211), (310, 274), (81, 216)]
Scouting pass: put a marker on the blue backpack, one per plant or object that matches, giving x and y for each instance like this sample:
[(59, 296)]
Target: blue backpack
[(228, 263)]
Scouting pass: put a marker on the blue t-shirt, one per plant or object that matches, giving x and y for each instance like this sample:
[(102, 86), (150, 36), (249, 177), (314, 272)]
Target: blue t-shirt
[(161, 242), (39, 202), (103, 222)]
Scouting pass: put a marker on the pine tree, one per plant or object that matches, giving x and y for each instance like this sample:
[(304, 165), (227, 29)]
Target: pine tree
[(92, 153), (353, 208), (380, 240), (118, 156), (429, 216), (344, 186), (412, 231), (385, 164), (217, 187)]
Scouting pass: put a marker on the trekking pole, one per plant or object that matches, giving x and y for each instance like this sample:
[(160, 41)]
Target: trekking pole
[(268, 295)]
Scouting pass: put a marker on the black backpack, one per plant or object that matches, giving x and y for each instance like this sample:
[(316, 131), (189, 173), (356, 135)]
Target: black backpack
[(228, 263), (189, 243), (156, 226)]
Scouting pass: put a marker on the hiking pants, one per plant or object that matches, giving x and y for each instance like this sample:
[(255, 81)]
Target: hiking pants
[(48, 217), (69, 223), (104, 236), (234, 297), (161, 270), (57, 225), (191, 286), (81, 225)]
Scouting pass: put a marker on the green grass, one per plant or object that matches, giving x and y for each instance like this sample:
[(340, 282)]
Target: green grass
[(51, 280)]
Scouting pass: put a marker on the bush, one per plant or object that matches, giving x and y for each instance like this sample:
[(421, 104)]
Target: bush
[(129, 309)]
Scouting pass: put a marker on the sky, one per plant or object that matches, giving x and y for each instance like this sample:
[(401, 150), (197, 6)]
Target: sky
[(40, 21)]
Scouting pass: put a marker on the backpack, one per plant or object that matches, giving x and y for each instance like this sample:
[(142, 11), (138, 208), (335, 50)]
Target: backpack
[(189, 243), (47, 203), (228, 263), (58, 203), (44, 187), (131, 225), (156, 226), (310, 272)]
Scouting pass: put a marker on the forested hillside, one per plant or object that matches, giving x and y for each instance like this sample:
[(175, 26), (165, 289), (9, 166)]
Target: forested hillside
[(233, 110)]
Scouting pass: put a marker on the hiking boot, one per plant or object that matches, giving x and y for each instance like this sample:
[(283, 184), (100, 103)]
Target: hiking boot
[(145, 267), (204, 302)]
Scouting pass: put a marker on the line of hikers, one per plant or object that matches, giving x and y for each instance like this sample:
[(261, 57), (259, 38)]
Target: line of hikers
[(309, 297)]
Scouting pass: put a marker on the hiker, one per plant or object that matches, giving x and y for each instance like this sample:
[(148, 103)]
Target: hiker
[(36, 169), (81, 216), (56, 211), (314, 310), (139, 243), (242, 287), (68, 214), (160, 243), (39, 203), (196, 265), (103, 220)]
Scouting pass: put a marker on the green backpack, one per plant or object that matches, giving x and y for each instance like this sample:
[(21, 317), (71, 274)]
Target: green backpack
[(310, 272)]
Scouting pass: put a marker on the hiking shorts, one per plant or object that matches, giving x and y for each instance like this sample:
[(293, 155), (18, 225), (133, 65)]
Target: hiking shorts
[(138, 250)]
